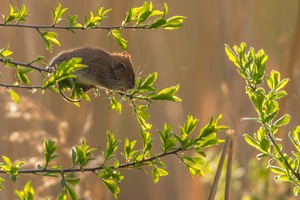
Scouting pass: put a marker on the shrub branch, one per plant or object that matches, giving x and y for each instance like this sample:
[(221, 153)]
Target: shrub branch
[(94, 169), (28, 65)]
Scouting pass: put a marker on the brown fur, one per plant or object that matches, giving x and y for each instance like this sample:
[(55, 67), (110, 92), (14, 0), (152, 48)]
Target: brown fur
[(106, 70), (111, 71)]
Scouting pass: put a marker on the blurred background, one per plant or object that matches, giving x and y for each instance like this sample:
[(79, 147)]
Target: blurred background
[(192, 56)]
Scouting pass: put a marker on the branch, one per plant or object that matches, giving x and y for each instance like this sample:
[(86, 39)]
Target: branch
[(294, 172), (93, 169), (40, 69), (21, 86), (71, 27)]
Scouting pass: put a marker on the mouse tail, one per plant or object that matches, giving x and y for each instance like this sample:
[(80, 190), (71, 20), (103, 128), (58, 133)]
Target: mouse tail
[(65, 97)]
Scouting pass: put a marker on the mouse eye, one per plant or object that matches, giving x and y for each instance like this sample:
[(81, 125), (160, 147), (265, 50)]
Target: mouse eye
[(119, 66)]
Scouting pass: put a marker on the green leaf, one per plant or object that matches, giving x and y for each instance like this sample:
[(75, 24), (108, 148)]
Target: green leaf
[(57, 13), (283, 120), (282, 178), (295, 137), (251, 141), (4, 52), (81, 155), (22, 14), (116, 163), (49, 38), (158, 23), (211, 127), (7, 162), (115, 105), (73, 22), (189, 125), (102, 13), (167, 94), (128, 149), (111, 146), (147, 84), (157, 173), (132, 14), (209, 141), (38, 58), (27, 193), (265, 145), (21, 74), (232, 56), (282, 84), (64, 71), (110, 178), (78, 92), (147, 143), (144, 13), (277, 170), (73, 181), (185, 142), (280, 94), (14, 96), (161, 171), (12, 16), (1, 183), (94, 21), (142, 115), (270, 82), (193, 165), (16, 14), (112, 186), (10, 169), (168, 139), (297, 191), (174, 22), (261, 155), (258, 99), (116, 33), (50, 149), (274, 81), (71, 192), (166, 10)]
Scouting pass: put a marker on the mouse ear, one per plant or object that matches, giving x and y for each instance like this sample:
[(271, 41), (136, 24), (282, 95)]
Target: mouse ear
[(119, 69), (119, 66), (126, 54)]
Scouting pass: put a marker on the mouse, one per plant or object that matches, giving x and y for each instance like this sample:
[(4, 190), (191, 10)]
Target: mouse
[(113, 71)]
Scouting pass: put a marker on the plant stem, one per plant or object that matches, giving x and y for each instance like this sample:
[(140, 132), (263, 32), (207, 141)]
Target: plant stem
[(270, 136), (93, 169), (71, 27), (40, 69), (21, 86)]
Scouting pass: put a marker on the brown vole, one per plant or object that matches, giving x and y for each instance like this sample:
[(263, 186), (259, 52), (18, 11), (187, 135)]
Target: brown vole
[(112, 71)]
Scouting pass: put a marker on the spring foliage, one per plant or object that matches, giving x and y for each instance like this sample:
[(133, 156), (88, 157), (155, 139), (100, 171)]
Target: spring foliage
[(119, 153)]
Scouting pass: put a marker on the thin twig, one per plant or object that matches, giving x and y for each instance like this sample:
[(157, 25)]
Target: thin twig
[(40, 69), (21, 86), (297, 175), (93, 169), (71, 27)]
